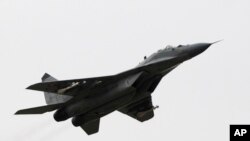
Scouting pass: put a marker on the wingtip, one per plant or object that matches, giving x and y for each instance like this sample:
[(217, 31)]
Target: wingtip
[(33, 87), (29, 87), (17, 113)]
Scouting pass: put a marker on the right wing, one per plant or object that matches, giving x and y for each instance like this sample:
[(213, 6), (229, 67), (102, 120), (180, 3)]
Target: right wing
[(91, 127), (70, 87)]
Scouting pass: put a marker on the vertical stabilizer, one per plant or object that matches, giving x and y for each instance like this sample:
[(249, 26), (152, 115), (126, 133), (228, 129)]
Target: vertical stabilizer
[(52, 98)]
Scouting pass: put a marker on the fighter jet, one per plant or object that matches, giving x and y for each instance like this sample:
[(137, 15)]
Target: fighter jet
[(87, 100)]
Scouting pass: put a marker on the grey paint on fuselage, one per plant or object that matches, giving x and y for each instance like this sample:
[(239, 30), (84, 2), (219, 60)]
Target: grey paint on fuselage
[(159, 63), (128, 92)]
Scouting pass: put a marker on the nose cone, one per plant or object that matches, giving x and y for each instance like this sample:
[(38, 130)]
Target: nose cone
[(197, 49)]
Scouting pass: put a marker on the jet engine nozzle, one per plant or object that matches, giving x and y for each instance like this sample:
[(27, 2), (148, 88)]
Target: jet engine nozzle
[(60, 115), (77, 121)]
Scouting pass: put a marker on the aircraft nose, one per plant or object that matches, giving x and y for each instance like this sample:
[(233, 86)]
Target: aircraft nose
[(197, 49)]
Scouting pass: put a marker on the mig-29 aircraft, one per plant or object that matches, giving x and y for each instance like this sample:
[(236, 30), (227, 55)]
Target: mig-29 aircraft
[(129, 92)]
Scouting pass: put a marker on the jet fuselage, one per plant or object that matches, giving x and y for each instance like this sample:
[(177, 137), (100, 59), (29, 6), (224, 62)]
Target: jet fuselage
[(87, 100), (114, 96)]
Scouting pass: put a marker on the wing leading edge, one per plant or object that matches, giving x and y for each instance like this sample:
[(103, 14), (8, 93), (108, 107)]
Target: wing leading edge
[(69, 87)]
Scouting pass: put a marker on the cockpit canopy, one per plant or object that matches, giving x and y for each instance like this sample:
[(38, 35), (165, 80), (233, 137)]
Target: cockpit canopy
[(170, 48), (161, 53), (167, 48)]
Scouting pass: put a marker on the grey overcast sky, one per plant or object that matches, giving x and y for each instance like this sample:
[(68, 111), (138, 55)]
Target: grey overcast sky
[(87, 38)]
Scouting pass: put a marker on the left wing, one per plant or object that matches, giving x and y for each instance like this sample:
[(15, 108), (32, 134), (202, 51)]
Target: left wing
[(69, 87), (91, 127), (142, 110)]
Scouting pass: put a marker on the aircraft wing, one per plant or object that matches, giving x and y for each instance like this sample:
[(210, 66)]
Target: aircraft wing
[(142, 110), (70, 87), (91, 127)]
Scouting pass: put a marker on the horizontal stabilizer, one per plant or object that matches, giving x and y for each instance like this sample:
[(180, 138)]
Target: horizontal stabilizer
[(39, 110)]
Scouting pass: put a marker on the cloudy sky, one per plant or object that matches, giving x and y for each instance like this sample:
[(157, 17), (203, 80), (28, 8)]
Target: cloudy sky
[(87, 38)]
